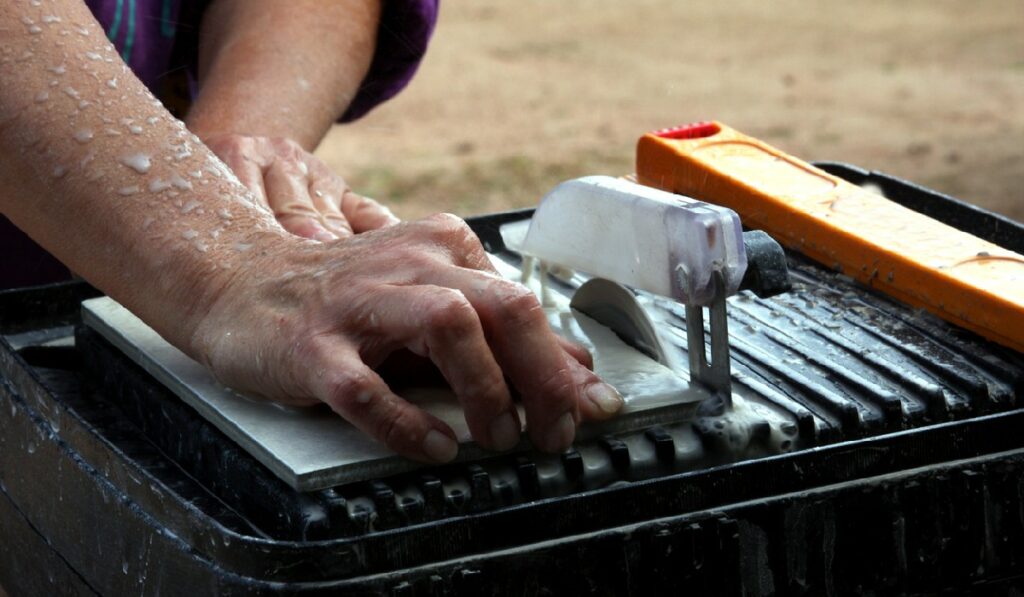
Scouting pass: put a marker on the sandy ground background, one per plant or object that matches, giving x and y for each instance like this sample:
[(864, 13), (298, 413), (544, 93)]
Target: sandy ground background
[(515, 97)]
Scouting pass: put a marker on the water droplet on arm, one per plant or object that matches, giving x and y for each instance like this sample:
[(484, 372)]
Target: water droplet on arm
[(83, 135), (211, 168), (184, 151), (137, 161), (180, 183), (159, 185)]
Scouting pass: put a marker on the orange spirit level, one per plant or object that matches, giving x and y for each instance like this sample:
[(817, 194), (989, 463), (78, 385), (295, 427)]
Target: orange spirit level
[(916, 259)]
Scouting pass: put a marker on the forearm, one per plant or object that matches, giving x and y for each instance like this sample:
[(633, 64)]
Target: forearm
[(95, 170), (281, 69)]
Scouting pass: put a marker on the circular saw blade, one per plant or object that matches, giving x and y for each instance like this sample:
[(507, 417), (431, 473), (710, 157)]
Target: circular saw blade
[(616, 307)]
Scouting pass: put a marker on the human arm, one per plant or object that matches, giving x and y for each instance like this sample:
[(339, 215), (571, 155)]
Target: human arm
[(274, 76), (96, 171)]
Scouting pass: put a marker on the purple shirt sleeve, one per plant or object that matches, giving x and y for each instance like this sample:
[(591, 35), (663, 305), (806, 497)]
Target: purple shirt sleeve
[(23, 262), (406, 27), (158, 39)]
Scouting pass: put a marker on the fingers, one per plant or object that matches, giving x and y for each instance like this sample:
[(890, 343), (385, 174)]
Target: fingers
[(249, 174), (326, 189), (288, 196), (452, 238), (441, 324), (599, 401), (365, 213), (535, 362), (304, 194), (553, 385), (556, 388), (582, 355), (359, 213), (359, 395), (330, 215), (241, 155)]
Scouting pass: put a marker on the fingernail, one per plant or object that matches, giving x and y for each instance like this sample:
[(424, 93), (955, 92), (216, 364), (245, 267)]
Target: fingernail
[(561, 434), (605, 397), (504, 432), (325, 236), (439, 447)]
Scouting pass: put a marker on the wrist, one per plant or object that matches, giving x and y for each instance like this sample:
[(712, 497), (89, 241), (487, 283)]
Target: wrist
[(252, 288), (203, 277), (216, 117)]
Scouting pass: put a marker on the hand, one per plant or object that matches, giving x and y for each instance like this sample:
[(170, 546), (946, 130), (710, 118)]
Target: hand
[(307, 198), (304, 322)]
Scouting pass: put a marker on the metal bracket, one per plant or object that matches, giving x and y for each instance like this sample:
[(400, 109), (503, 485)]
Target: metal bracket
[(718, 374)]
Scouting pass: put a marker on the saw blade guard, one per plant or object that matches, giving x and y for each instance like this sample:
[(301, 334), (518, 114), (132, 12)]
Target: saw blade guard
[(636, 235)]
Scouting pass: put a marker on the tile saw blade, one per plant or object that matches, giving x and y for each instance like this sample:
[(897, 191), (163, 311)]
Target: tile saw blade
[(616, 307)]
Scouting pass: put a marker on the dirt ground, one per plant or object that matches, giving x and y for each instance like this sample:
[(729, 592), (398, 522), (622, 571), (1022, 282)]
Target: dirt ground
[(514, 97)]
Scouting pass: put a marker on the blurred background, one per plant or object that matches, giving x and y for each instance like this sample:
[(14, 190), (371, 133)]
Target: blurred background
[(514, 97)]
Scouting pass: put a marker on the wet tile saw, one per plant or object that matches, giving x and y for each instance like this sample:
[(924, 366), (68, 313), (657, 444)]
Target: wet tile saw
[(870, 444), (617, 234)]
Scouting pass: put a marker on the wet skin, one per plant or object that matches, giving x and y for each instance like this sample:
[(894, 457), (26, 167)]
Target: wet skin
[(274, 77), (145, 211)]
